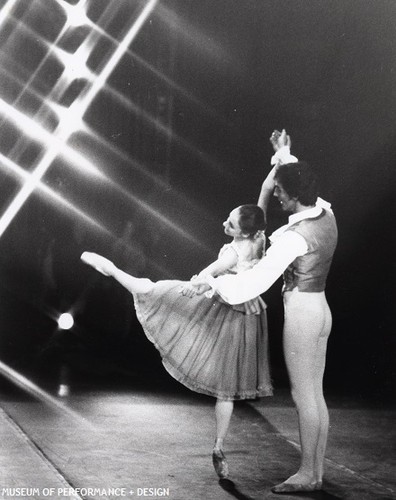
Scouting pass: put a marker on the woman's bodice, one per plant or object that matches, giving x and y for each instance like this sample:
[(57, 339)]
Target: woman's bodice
[(248, 256)]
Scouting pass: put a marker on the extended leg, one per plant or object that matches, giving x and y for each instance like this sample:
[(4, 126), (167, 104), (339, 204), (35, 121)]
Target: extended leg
[(106, 267)]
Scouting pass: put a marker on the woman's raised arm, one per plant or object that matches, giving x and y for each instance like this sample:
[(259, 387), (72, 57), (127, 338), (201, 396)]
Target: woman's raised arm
[(281, 143)]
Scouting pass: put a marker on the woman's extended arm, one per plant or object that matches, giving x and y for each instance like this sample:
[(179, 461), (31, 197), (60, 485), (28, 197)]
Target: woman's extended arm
[(267, 188)]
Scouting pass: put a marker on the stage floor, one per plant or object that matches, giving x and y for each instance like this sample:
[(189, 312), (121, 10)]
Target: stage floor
[(139, 443)]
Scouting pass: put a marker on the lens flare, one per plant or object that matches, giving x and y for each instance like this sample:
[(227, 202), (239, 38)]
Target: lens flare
[(65, 321)]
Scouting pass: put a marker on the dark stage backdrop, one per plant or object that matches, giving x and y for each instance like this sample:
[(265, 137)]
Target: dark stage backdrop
[(183, 129)]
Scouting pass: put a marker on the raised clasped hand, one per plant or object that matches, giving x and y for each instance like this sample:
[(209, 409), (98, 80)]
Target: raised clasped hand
[(280, 139)]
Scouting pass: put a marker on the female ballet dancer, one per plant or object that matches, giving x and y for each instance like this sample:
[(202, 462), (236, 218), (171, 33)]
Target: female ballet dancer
[(207, 345)]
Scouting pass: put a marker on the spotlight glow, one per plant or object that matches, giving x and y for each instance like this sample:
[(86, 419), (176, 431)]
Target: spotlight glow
[(51, 195), (74, 64), (6, 10), (65, 321), (76, 14)]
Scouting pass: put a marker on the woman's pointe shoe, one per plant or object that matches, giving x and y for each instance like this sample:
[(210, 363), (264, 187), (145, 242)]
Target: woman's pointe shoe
[(319, 485), (220, 463), (97, 262), (296, 487)]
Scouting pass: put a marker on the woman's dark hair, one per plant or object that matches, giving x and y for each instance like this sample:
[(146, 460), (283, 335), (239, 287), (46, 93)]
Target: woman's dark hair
[(299, 181), (251, 219)]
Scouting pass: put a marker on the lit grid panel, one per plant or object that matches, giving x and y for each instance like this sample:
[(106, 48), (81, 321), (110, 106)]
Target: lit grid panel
[(54, 63)]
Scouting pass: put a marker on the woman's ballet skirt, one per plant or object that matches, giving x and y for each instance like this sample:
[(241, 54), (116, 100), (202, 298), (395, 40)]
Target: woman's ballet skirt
[(209, 346)]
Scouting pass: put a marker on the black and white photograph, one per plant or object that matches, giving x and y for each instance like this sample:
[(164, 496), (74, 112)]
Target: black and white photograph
[(197, 249)]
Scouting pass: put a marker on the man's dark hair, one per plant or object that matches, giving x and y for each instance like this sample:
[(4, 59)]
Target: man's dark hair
[(299, 181)]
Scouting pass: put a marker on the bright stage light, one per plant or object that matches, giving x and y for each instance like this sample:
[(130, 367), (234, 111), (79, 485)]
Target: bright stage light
[(76, 14), (58, 140), (65, 321)]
